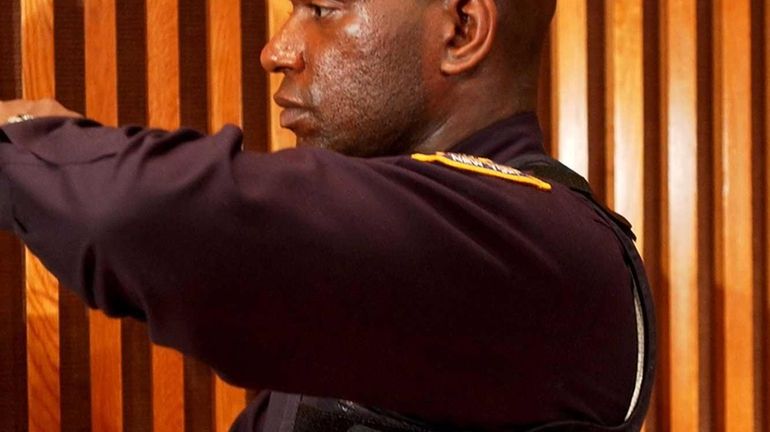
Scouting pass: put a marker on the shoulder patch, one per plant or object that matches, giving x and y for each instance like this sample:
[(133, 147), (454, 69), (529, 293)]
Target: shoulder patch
[(482, 166)]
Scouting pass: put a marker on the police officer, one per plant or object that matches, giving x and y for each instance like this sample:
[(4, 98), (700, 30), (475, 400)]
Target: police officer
[(433, 271)]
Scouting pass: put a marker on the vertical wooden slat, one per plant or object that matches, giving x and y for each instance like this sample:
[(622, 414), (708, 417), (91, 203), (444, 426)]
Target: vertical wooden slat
[(193, 73), (597, 98), (734, 266), (759, 108), (101, 105), (224, 44), (225, 106), (137, 377), (42, 347), (569, 84), (106, 374), (37, 38), (625, 105), (766, 146), (680, 140), (280, 138), (163, 63), (164, 112), (654, 186), (10, 46), (707, 232), (75, 363), (13, 365), (760, 223), (42, 296), (69, 32), (255, 89), (198, 391)]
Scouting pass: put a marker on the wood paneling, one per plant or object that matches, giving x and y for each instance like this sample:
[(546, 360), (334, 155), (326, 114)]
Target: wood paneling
[(277, 13), (198, 391), (625, 111), (652, 242), (680, 214), (106, 374), (137, 377), (765, 144), (10, 46), (13, 358), (43, 390), (569, 85), (706, 204), (759, 212), (256, 90), (193, 75), (597, 100), (661, 102), (734, 263), (224, 43), (37, 49)]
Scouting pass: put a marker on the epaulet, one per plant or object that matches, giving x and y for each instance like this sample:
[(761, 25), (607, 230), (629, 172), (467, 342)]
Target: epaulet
[(482, 166)]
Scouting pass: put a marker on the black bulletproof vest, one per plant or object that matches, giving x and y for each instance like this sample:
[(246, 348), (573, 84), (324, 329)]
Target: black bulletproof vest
[(299, 413)]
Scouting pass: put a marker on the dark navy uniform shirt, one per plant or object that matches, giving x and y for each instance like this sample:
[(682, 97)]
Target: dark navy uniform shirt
[(430, 290)]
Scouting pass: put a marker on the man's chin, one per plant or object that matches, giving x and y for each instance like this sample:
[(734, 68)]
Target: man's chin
[(304, 141), (338, 146)]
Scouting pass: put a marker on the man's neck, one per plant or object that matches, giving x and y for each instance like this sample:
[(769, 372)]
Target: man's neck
[(475, 104), (455, 128)]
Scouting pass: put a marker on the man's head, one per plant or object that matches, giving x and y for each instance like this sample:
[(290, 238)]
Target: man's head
[(377, 77)]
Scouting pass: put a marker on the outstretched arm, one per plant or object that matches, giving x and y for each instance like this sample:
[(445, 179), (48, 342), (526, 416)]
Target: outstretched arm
[(302, 271)]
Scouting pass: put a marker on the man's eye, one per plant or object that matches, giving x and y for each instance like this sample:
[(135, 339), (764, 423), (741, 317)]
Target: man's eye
[(320, 11)]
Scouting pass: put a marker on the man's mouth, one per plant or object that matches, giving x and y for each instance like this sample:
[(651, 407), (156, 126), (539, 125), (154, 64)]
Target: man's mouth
[(295, 115), (295, 118)]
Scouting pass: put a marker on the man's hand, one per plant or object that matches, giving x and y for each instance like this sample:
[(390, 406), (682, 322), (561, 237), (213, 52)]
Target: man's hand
[(40, 108)]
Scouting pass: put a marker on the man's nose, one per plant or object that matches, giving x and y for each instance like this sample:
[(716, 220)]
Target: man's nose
[(284, 52)]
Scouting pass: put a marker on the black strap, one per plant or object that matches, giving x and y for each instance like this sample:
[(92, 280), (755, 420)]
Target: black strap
[(547, 168), (317, 415)]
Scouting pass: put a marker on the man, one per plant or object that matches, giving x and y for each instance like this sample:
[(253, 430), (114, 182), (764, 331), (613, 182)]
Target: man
[(409, 280)]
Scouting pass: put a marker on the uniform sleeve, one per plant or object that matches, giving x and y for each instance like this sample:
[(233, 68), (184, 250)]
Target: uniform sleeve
[(304, 271)]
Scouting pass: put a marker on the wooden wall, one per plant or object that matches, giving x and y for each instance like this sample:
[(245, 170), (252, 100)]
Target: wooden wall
[(663, 104)]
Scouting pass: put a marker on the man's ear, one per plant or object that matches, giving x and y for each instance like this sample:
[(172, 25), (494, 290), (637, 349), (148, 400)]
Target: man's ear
[(469, 42)]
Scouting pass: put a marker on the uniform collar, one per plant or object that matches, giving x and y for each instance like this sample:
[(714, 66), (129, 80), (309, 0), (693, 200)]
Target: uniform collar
[(505, 139)]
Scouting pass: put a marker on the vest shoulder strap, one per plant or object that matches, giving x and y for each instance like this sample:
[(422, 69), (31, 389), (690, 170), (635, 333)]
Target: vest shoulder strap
[(547, 168)]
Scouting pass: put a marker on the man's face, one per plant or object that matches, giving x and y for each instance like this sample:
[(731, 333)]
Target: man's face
[(353, 74)]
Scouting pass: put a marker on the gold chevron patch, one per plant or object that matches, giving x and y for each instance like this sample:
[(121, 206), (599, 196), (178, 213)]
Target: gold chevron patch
[(482, 166)]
